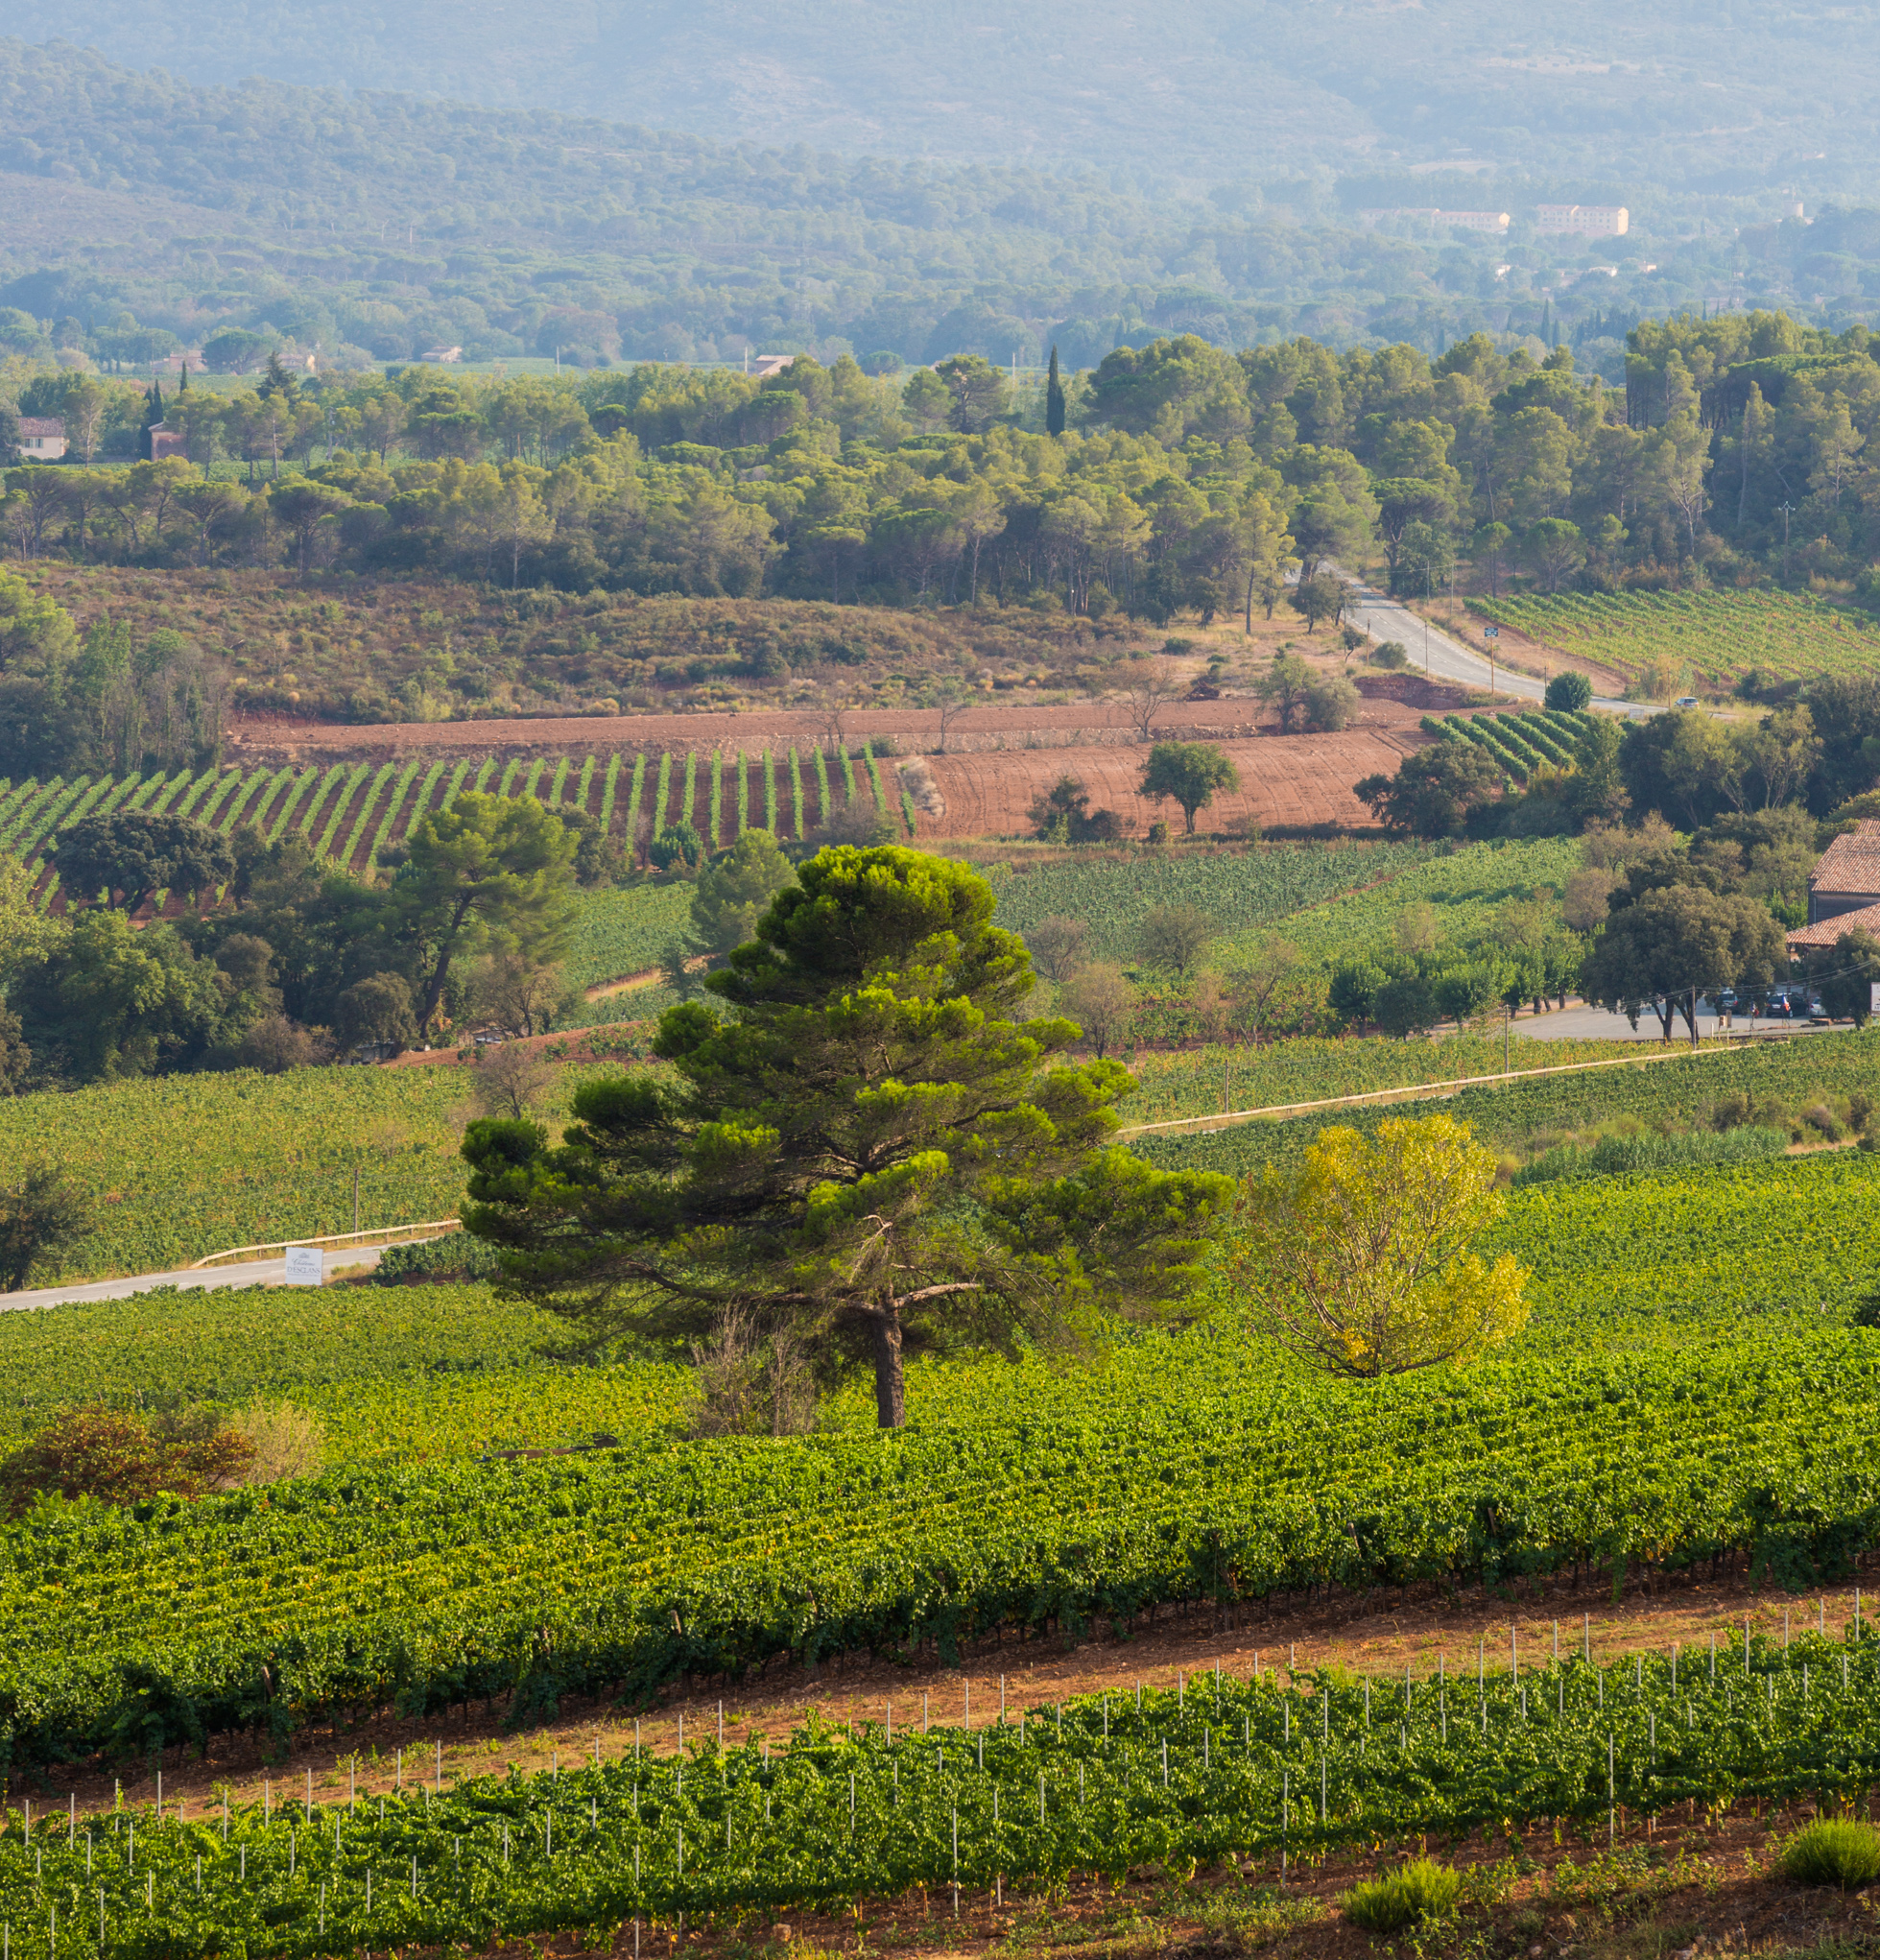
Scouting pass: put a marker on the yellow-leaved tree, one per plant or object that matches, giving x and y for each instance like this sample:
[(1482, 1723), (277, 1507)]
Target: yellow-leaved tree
[(1362, 1260)]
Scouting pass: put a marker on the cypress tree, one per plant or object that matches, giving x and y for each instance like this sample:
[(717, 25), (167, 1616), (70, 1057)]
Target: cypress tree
[(1054, 399)]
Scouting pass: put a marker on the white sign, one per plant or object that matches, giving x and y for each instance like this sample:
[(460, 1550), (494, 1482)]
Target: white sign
[(1873, 996), (305, 1266)]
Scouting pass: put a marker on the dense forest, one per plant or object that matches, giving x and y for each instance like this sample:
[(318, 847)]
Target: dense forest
[(146, 214)]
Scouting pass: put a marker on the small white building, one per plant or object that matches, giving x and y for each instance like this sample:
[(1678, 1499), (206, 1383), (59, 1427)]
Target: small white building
[(41, 438), (438, 354)]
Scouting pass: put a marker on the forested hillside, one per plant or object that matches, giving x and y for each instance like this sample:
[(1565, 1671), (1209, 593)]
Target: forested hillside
[(143, 210), (1704, 97)]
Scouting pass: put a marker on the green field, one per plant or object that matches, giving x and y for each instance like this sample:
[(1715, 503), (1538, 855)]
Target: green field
[(181, 1166), (1194, 1082), (1521, 742), (392, 1374), (1240, 891), (1681, 1092), (1217, 1767), (1689, 1384), (1463, 887), (1721, 635), (626, 929)]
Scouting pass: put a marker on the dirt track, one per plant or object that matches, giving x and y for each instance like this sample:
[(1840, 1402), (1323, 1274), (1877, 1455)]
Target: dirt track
[(1001, 722)]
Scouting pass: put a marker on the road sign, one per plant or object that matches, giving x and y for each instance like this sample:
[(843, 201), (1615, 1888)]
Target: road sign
[(1492, 633), (1873, 996), (305, 1266)]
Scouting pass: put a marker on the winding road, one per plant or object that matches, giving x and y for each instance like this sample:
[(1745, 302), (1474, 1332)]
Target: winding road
[(1446, 658)]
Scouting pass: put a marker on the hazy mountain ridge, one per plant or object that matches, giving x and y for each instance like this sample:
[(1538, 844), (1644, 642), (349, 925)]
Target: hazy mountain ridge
[(1697, 94), (376, 224)]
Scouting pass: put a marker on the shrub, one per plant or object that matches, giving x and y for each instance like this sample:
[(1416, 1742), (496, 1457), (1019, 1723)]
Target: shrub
[(114, 1457), (1614, 1156), (1833, 1851), (287, 1441), (1417, 1891), (1569, 693), (450, 1259), (1390, 655)]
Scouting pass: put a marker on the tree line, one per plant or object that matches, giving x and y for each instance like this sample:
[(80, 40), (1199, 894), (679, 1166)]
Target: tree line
[(1184, 479)]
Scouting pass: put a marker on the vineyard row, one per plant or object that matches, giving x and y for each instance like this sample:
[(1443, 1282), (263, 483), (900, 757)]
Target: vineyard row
[(437, 1584), (352, 812), (1275, 1767)]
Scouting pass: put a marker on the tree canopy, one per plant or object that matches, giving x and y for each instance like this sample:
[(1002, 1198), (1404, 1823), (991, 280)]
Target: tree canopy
[(1362, 1261), (868, 1152), (1189, 774), (1434, 791), (129, 855)]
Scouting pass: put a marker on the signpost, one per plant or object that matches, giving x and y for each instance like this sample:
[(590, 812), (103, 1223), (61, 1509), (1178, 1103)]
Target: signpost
[(306, 1266), (1490, 635)]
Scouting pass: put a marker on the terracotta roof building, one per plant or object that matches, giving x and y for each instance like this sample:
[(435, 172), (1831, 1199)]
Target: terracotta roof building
[(41, 438), (1866, 920), (1844, 889), (1847, 876)]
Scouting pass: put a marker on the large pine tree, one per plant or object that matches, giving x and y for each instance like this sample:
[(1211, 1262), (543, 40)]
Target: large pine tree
[(867, 1155)]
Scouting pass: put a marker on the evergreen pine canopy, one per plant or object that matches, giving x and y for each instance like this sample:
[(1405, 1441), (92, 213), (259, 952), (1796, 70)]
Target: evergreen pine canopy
[(866, 1149)]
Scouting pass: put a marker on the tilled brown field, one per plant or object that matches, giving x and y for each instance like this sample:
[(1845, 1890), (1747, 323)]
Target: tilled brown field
[(1284, 780)]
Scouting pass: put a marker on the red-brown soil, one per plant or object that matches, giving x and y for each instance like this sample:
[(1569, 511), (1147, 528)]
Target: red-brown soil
[(1378, 1633), (1392, 701), (1284, 780), (998, 758)]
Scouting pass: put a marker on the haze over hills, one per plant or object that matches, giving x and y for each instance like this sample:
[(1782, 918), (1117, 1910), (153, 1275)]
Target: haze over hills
[(693, 185), (1703, 97)]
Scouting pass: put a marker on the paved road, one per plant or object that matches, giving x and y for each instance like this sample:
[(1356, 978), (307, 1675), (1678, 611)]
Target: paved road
[(1432, 650), (1596, 1024), (248, 1272)]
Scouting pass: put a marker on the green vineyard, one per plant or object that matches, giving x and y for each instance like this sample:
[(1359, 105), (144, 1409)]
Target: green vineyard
[(1273, 1766), (185, 1165), (1683, 1090), (1719, 635), (352, 812), (1522, 742), (1660, 1410)]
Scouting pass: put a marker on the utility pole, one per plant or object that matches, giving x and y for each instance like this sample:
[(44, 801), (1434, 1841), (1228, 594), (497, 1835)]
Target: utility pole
[(1788, 511)]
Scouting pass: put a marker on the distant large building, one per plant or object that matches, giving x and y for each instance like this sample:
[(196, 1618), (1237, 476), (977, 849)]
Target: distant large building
[(1465, 221), (1589, 221)]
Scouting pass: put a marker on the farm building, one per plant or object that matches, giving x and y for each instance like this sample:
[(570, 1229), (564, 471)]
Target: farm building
[(1844, 889), (41, 438)]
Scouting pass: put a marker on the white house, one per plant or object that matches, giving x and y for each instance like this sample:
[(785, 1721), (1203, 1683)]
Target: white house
[(41, 438)]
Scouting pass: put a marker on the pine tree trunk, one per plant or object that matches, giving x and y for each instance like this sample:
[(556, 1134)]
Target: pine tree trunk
[(889, 1391)]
